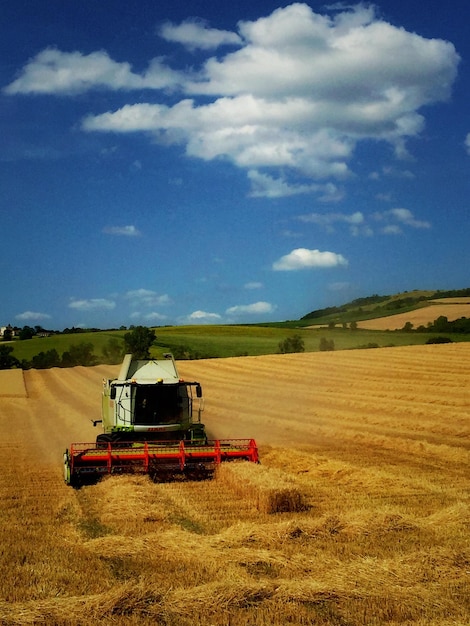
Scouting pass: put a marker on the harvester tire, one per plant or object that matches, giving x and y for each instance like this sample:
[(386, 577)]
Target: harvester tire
[(103, 440), (67, 472)]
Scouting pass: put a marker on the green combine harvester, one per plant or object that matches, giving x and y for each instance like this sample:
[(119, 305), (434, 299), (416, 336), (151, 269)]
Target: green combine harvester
[(152, 425)]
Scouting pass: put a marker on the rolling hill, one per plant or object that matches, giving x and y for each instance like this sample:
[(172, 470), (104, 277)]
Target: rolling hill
[(393, 312)]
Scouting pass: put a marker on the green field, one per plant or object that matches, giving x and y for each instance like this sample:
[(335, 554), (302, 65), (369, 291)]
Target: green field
[(30, 347), (226, 341), (330, 325)]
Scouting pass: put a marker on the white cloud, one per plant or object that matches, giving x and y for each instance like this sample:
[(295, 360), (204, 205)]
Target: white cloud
[(405, 216), (325, 219), (147, 297), (467, 143), (271, 110), (202, 317), (395, 218), (297, 95), (154, 317), (360, 224), (197, 34), (29, 316), (253, 285), (125, 231), (265, 186), (55, 72), (355, 221), (92, 304), (391, 229), (251, 309), (301, 258)]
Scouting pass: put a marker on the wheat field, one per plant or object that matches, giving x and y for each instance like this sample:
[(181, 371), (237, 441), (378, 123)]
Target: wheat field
[(358, 514), (452, 308)]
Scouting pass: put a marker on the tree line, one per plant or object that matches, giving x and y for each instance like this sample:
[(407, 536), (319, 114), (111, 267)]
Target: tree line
[(443, 325), (136, 342)]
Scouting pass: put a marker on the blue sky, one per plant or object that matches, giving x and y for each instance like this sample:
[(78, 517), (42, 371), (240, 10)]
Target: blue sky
[(212, 162)]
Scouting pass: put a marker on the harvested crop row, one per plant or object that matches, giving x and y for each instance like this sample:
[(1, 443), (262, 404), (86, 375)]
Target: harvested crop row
[(270, 488), (12, 384)]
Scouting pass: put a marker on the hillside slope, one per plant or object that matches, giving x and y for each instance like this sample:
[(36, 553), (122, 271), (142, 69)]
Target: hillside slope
[(419, 317)]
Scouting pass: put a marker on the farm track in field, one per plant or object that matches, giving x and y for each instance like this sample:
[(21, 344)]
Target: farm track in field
[(377, 442)]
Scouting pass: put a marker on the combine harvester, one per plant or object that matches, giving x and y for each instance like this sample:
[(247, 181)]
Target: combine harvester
[(152, 425)]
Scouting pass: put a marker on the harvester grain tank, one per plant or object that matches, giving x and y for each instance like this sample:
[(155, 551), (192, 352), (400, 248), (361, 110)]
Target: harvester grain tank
[(152, 424)]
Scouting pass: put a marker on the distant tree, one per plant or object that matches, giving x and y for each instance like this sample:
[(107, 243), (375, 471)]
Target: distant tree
[(292, 344), (326, 345), (439, 340), (26, 333), (441, 324), (7, 361), (139, 341), (43, 360), (331, 324), (186, 353), (79, 354), (353, 325), (113, 351), (408, 327)]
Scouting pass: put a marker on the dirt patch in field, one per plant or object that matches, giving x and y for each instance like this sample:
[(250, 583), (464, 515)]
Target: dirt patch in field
[(420, 317), (12, 384)]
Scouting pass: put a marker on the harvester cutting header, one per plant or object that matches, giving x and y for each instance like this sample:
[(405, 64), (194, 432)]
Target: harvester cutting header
[(152, 424)]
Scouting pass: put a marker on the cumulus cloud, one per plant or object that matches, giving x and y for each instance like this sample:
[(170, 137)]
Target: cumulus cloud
[(395, 219), (203, 317), (359, 224), (147, 298), (250, 309), (124, 231), (356, 222), (297, 94), (265, 186), (328, 220), (53, 71), (92, 304), (154, 316), (300, 92), (197, 34), (30, 316), (301, 259), (405, 216)]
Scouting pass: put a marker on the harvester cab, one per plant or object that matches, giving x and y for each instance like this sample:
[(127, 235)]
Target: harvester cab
[(152, 424), (149, 402)]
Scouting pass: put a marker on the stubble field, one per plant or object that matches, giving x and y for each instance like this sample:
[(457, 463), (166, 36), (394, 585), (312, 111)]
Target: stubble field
[(376, 444)]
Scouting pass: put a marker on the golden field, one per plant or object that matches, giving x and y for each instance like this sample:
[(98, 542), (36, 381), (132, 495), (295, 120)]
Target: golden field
[(452, 308), (371, 448)]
